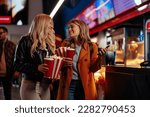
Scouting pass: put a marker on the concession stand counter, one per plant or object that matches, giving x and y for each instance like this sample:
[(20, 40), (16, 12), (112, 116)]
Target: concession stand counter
[(127, 83)]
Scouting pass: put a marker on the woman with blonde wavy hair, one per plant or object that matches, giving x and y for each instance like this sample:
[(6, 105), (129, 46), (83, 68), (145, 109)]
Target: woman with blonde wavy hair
[(30, 53)]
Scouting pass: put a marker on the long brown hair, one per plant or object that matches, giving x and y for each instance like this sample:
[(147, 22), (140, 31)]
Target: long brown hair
[(38, 32)]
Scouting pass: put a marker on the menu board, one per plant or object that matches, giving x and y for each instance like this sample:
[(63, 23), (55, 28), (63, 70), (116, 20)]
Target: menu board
[(104, 10), (89, 16), (124, 5), (97, 13)]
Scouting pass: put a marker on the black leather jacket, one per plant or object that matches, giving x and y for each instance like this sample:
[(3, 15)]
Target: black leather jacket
[(26, 64)]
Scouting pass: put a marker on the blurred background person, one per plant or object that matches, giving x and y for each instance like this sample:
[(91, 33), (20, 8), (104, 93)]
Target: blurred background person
[(30, 53), (132, 50), (110, 54), (7, 51), (77, 80)]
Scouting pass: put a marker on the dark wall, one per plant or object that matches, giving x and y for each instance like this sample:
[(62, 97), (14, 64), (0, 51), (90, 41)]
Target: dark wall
[(48, 5)]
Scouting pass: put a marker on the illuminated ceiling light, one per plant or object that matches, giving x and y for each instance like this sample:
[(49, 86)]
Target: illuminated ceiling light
[(137, 2), (142, 7), (60, 2)]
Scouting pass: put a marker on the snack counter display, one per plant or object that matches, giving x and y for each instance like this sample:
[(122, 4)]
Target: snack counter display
[(99, 77)]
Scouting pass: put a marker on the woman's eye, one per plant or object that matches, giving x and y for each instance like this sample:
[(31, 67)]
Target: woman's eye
[(70, 27)]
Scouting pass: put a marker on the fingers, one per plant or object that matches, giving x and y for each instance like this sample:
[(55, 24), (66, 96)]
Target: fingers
[(43, 68), (102, 51), (67, 61)]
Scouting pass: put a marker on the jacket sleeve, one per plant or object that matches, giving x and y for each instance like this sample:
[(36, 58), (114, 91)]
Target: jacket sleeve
[(95, 62), (22, 57)]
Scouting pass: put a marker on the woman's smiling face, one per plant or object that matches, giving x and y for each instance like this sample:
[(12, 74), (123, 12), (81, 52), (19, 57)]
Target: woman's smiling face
[(73, 30)]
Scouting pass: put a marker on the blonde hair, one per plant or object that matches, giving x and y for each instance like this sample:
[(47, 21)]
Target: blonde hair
[(84, 30), (38, 32)]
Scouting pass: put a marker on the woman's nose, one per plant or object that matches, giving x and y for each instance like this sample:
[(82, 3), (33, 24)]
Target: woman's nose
[(69, 31), (54, 31)]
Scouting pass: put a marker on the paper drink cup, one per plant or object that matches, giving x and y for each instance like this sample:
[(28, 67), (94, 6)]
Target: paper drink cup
[(50, 64), (70, 52)]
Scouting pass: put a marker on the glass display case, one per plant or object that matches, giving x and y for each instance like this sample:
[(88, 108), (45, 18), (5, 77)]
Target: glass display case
[(129, 42), (135, 51), (118, 38)]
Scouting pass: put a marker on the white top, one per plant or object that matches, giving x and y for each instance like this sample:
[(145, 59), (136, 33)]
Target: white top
[(75, 61)]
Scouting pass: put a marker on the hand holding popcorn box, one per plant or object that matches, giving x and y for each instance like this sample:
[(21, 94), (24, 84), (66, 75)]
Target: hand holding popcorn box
[(55, 68)]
